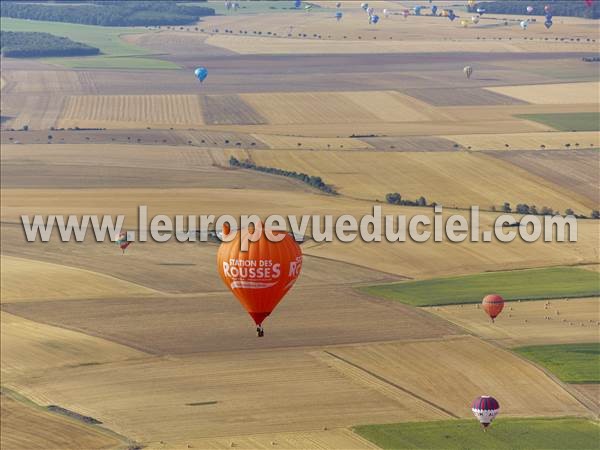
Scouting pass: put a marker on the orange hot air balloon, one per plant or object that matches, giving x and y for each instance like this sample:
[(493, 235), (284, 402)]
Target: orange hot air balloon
[(261, 276), (492, 305)]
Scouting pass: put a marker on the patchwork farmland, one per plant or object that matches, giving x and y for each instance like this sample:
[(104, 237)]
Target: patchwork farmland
[(110, 349)]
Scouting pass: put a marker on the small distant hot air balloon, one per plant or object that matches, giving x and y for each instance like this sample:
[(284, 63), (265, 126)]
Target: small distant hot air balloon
[(122, 241), (201, 73), (338, 16), (308, 7), (548, 24), (374, 18), (492, 304), (434, 10), (386, 13), (547, 8), (480, 11), (464, 23), (338, 5), (417, 10), (549, 16), (405, 13), (589, 2), (475, 19), (471, 3), (451, 15), (261, 276), (297, 3), (485, 409), (364, 6), (529, 9), (524, 24), (468, 70)]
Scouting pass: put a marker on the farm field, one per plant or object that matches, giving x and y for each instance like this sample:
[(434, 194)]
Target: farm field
[(447, 178), (116, 54), (52, 281), (571, 363), (153, 345), (515, 285), (50, 429), (508, 433), (568, 121), (552, 94), (436, 371), (560, 321), (574, 170)]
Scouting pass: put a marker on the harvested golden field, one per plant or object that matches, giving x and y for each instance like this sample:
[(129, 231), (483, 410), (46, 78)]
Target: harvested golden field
[(43, 82), (127, 166), (575, 170), (430, 259), (337, 107), (451, 373), (336, 439), (25, 280), (528, 141), (131, 111), (26, 426), (408, 259), (532, 322), (30, 347), (453, 179), (215, 322), (183, 399), (553, 94)]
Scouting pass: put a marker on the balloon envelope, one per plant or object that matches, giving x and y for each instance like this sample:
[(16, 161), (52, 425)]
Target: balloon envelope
[(468, 70), (338, 15), (201, 73), (524, 24), (261, 276), (493, 304), (530, 9), (485, 409)]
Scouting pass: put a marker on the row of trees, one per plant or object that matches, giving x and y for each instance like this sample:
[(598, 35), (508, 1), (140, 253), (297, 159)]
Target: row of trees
[(110, 13), (26, 45), (316, 182), (573, 8), (396, 199), (523, 208)]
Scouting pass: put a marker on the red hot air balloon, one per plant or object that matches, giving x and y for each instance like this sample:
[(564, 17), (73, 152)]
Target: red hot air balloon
[(492, 305), (122, 241), (261, 276), (485, 409)]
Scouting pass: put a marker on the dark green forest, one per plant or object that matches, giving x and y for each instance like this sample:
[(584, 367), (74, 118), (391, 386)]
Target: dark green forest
[(109, 13), (27, 45)]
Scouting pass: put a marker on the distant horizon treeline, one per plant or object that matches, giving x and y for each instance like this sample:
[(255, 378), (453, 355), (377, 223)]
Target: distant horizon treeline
[(109, 13), (571, 8), (33, 44)]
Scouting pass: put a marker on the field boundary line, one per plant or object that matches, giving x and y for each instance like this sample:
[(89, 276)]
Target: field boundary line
[(391, 383)]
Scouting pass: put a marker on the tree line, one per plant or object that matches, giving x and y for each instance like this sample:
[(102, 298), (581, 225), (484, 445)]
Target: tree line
[(316, 182), (394, 198), (572, 8), (524, 208), (27, 45), (110, 13)]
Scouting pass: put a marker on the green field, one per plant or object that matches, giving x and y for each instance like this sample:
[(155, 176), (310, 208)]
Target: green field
[(529, 284), (116, 53), (572, 363), (506, 434), (254, 7), (584, 121)]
